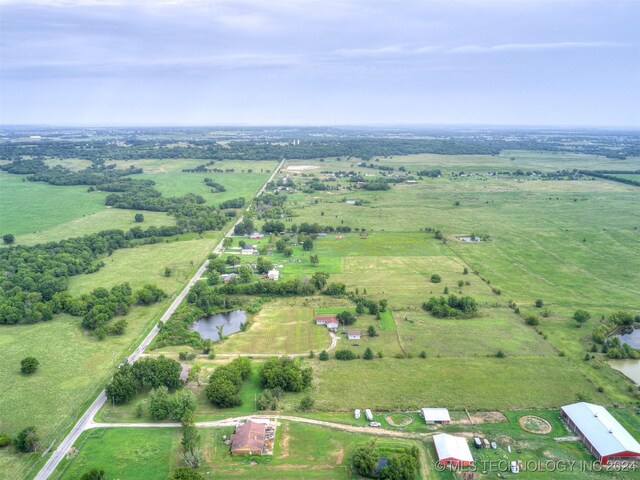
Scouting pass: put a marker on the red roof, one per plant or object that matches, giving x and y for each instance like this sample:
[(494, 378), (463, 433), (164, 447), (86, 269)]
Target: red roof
[(248, 439)]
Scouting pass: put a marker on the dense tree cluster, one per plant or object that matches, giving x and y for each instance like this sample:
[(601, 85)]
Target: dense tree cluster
[(286, 374), (225, 382), (612, 175), (290, 288), (233, 203), (452, 307), (36, 278), (147, 372), (402, 462)]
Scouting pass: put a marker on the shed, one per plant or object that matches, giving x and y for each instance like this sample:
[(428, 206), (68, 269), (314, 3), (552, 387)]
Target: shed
[(452, 450), (249, 438), (601, 433), (247, 251), (353, 334), (435, 415), (273, 274), (256, 236)]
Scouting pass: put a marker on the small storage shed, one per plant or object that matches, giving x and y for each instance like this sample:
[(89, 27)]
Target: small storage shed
[(353, 334), (435, 415)]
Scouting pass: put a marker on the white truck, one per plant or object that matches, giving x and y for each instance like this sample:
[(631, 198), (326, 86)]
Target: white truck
[(356, 413)]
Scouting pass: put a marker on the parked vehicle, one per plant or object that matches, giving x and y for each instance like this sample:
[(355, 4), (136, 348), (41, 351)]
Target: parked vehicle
[(356, 413), (477, 442), (375, 424), (485, 443), (494, 445), (514, 467), (368, 414)]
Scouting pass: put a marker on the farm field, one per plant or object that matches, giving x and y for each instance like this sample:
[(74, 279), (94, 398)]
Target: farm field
[(301, 451), (29, 207), (280, 327)]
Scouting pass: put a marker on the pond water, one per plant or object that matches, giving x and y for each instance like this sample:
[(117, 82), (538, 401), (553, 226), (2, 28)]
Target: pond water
[(230, 322), (630, 367), (633, 338)]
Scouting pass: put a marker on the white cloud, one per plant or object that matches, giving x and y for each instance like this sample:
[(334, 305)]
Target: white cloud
[(525, 47)]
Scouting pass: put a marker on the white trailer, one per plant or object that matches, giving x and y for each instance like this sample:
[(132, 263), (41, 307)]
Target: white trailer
[(356, 413), (368, 414)]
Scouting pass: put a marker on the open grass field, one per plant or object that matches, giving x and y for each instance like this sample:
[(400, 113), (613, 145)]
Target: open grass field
[(145, 264), (570, 243), (301, 452), (73, 364), (283, 326), (474, 383), (29, 207), (106, 219)]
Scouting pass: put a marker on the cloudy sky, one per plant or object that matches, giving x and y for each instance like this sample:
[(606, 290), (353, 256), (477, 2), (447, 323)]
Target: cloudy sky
[(195, 62)]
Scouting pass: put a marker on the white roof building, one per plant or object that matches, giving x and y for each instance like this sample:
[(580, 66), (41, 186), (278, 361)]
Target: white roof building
[(435, 415), (273, 274), (452, 450), (601, 432)]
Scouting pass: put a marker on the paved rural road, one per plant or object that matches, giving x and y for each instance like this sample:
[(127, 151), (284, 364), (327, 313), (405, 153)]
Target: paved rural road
[(87, 418)]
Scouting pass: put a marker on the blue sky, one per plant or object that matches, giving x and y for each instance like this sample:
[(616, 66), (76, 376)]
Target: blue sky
[(328, 62)]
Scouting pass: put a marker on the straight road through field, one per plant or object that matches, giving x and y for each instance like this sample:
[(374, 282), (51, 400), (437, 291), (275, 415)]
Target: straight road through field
[(87, 417)]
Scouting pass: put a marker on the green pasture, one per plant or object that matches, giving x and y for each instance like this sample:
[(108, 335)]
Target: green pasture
[(30, 207), (146, 264), (482, 383), (106, 219), (281, 327)]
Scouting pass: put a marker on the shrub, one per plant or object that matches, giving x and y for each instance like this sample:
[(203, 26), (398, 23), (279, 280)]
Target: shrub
[(29, 365), (139, 218), (94, 474), (345, 355), (4, 440), (307, 402), (435, 278), (532, 320), (8, 238), (371, 331), (27, 440), (451, 307), (324, 356), (581, 316), (501, 354), (539, 303), (368, 354), (423, 354)]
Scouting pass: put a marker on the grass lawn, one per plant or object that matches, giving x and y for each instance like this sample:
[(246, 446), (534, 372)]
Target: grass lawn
[(127, 453), (282, 326), (301, 452)]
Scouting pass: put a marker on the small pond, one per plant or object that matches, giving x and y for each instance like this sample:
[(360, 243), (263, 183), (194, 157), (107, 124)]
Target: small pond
[(230, 321), (633, 338), (630, 367)]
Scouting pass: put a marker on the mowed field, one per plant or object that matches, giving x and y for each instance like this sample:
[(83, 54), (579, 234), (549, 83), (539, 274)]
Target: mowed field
[(301, 452), (281, 327)]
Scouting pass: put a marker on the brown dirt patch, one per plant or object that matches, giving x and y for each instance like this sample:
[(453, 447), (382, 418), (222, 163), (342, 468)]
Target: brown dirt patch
[(284, 441), (534, 424), (482, 417), (339, 456)]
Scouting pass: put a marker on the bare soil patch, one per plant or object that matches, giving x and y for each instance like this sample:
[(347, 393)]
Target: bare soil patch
[(534, 424), (399, 420)]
